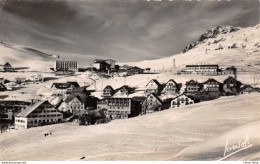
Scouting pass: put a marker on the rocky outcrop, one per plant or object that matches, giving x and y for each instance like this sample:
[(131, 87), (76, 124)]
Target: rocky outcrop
[(211, 33)]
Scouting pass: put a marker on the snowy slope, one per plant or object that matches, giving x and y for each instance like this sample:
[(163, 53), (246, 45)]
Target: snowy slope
[(249, 38), (214, 147), (157, 136), (22, 56)]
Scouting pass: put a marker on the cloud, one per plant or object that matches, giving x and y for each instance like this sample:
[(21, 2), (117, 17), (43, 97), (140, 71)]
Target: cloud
[(124, 30)]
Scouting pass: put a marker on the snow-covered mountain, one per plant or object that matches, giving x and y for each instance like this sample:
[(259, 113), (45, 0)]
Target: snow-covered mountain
[(211, 33), (220, 45), (224, 45)]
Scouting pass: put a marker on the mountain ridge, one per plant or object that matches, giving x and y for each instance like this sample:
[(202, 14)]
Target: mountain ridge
[(211, 33)]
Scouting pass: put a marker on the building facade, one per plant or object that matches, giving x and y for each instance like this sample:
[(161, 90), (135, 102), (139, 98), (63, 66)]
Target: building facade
[(134, 70), (38, 114), (75, 105), (104, 65), (171, 88), (211, 85), (248, 89), (202, 69), (192, 86), (8, 67), (151, 104), (231, 85), (125, 90), (66, 66), (108, 91), (181, 100), (115, 107), (153, 86)]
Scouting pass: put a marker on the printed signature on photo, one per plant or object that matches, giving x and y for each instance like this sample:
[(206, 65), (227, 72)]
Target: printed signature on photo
[(231, 149)]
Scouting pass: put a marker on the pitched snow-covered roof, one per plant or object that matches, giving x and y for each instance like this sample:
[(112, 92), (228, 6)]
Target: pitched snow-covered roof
[(81, 97), (74, 83), (109, 87), (229, 78), (155, 81), (61, 85), (65, 85), (210, 80), (155, 97), (31, 108), (171, 80), (192, 82), (7, 64), (181, 95), (247, 86)]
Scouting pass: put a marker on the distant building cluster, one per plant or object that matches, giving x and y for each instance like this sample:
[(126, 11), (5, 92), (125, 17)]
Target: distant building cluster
[(71, 101), (100, 66), (75, 101)]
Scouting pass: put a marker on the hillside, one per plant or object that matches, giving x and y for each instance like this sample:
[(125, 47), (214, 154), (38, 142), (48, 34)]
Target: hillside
[(22, 56), (184, 133), (244, 55)]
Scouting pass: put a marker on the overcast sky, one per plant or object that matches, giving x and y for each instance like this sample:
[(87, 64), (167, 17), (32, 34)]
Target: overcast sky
[(125, 30)]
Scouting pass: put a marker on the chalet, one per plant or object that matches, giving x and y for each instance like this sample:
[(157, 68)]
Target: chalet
[(78, 102), (125, 90), (192, 86), (75, 104), (151, 104), (231, 85), (101, 66), (181, 100), (108, 91), (104, 65), (110, 62), (248, 89), (134, 70), (116, 107), (8, 67), (171, 88), (153, 87), (211, 85), (2, 87), (37, 114)]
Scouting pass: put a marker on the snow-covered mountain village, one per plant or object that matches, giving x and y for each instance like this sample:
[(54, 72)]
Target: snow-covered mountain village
[(187, 106)]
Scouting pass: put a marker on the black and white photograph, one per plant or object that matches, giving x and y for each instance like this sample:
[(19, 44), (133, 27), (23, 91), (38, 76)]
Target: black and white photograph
[(129, 80)]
